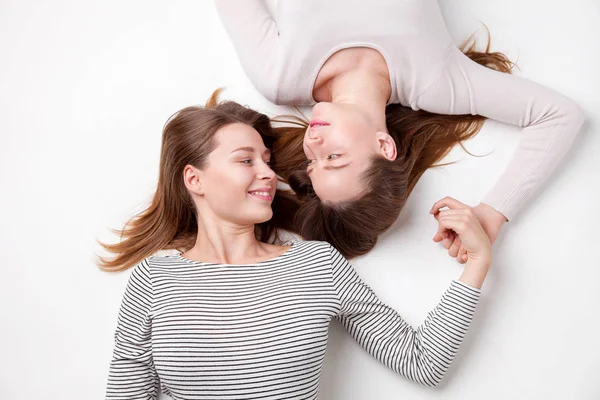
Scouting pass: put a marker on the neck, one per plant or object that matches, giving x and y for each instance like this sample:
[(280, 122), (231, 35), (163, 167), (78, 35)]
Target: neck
[(223, 242), (370, 92), (357, 76)]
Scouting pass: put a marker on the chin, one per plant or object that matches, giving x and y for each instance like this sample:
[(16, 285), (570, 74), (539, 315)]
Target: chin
[(254, 217), (263, 216), (266, 218), (319, 109)]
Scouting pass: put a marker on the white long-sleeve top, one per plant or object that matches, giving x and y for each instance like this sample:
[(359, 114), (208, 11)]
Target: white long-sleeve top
[(283, 53), (198, 330)]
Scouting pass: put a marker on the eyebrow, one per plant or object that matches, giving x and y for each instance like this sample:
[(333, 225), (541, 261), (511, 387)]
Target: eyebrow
[(251, 150), (330, 167)]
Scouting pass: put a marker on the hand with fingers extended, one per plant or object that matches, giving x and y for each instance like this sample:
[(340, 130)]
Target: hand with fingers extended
[(459, 226)]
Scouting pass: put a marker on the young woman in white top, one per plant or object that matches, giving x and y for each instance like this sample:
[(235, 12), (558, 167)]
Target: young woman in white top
[(392, 94), (237, 315)]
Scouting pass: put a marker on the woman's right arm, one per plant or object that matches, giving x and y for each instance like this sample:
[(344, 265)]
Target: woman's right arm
[(255, 37), (550, 122), (132, 374)]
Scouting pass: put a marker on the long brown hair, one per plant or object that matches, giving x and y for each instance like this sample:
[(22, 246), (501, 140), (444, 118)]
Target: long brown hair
[(170, 221), (422, 139)]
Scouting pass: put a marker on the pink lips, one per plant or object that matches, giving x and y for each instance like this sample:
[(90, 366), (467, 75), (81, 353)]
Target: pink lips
[(317, 123)]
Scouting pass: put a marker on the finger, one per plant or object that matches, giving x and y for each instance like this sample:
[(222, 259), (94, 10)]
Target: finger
[(447, 202), (441, 232), (453, 213), (462, 256), (469, 231), (453, 251), (447, 242), (440, 235), (447, 219), (457, 224)]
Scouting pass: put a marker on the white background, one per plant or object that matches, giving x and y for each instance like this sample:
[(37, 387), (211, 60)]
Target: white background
[(85, 88)]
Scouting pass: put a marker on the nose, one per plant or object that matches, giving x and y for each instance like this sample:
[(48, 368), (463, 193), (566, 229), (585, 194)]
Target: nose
[(313, 137), (266, 173), (313, 141)]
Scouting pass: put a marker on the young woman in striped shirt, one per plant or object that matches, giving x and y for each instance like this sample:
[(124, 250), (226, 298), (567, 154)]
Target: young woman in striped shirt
[(237, 315)]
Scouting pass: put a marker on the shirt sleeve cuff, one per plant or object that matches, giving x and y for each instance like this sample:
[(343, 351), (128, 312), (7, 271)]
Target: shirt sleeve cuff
[(470, 289)]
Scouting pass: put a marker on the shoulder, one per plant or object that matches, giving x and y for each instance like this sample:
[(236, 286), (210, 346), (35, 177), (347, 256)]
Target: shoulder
[(318, 249), (311, 245), (161, 260)]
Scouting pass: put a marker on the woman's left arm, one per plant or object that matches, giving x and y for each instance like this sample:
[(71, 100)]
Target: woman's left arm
[(422, 355), (550, 122)]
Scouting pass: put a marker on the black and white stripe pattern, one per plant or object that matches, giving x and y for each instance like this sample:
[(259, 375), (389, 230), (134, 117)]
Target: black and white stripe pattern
[(205, 331)]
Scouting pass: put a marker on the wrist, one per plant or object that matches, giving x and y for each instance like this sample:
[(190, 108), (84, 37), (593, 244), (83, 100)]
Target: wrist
[(475, 273), (479, 263), (496, 216)]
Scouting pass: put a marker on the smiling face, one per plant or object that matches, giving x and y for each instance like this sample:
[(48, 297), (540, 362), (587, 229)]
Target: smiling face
[(236, 183), (339, 145)]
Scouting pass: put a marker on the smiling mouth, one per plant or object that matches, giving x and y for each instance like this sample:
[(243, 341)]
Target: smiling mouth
[(261, 195), (315, 123)]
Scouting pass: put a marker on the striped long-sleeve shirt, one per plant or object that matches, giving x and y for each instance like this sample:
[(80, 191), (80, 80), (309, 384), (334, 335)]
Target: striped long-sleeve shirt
[(200, 330)]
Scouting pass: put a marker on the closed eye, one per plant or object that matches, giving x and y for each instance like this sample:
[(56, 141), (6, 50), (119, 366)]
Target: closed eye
[(250, 162), (329, 157)]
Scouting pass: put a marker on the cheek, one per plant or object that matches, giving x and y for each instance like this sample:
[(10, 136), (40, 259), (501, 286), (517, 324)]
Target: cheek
[(350, 129), (229, 199), (360, 140), (228, 184), (305, 150)]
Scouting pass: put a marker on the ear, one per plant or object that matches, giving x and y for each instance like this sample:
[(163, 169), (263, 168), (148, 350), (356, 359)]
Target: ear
[(387, 146), (192, 178)]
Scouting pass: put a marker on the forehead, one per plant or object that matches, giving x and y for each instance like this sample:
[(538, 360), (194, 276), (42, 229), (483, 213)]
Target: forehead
[(234, 136)]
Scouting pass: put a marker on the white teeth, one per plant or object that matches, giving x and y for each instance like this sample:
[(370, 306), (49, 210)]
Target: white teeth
[(262, 193)]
